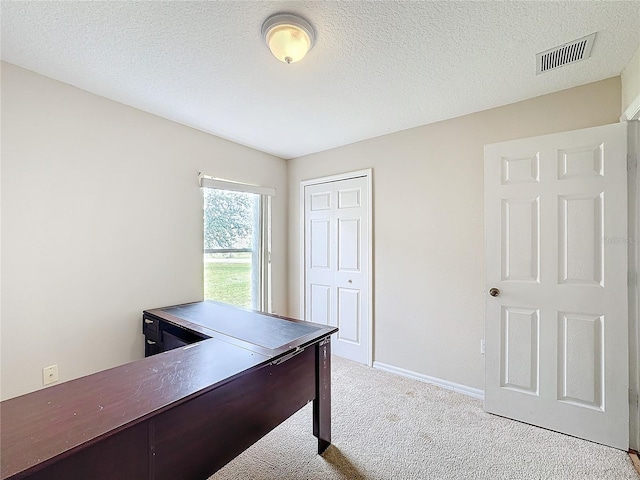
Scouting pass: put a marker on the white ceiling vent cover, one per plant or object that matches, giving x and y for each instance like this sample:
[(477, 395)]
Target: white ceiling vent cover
[(571, 52)]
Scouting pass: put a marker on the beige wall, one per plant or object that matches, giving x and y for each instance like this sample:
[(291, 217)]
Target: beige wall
[(631, 81), (102, 218), (428, 224)]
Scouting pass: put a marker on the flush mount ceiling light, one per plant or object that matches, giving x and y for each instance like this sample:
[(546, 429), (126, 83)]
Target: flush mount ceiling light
[(288, 37)]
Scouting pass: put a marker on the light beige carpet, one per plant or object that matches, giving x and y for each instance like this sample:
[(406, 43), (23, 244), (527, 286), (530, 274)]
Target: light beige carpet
[(389, 427)]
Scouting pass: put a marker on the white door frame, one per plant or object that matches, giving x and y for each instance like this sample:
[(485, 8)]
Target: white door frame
[(633, 179), (368, 173), (632, 116)]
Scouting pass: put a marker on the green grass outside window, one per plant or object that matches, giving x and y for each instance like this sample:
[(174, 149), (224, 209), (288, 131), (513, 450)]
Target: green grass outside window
[(228, 283)]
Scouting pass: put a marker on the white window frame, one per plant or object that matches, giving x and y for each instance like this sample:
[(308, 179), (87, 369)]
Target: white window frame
[(264, 249)]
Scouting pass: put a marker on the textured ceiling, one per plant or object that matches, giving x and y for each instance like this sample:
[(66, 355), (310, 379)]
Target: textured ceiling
[(376, 68)]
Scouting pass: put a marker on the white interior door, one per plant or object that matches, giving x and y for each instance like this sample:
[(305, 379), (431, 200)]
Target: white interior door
[(337, 263), (556, 249)]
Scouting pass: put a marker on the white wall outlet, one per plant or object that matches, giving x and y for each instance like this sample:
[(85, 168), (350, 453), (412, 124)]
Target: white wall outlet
[(482, 346), (49, 374)]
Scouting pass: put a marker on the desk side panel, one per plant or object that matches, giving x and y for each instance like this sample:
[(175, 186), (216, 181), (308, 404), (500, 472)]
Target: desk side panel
[(322, 402), (122, 456), (197, 438)]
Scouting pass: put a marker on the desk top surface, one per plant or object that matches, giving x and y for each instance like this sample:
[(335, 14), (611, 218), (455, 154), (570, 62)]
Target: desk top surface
[(39, 426), (259, 329)]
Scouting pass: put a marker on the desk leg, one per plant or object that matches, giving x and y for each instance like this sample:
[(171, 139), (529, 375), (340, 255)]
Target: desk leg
[(322, 402)]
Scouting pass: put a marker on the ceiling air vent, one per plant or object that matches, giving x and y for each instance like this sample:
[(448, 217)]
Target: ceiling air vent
[(571, 52)]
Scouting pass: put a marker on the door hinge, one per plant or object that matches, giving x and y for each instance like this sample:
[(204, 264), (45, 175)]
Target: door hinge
[(633, 398)]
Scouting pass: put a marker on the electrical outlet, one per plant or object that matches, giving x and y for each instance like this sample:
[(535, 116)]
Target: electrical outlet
[(49, 374), (482, 346)]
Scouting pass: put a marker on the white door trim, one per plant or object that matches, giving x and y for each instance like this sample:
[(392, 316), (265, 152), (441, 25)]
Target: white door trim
[(632, 112), (633, 154), (368, 173)]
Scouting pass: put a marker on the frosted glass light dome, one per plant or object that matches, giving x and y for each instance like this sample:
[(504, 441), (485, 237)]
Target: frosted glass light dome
[(288, 37)]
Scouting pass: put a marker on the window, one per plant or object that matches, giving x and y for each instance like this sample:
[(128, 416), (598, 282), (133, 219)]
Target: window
[(236, 243)]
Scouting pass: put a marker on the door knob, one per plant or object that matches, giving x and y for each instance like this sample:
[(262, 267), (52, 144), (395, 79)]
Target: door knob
[(494, 292)]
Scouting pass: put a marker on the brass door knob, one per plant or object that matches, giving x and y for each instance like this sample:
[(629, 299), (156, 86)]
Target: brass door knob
[(494, 292)]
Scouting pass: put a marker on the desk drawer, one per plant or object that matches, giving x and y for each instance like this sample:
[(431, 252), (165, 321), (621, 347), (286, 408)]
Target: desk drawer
[(151, 328), (152, 347)]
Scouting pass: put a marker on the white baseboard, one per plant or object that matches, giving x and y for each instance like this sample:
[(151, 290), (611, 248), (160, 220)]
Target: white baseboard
[(456, 387)]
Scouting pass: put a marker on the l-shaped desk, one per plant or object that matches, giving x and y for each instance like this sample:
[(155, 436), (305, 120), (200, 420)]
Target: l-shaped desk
[(216, 379)]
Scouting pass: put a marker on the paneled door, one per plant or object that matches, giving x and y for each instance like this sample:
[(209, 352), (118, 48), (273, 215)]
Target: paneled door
[(337, 262), (556, 320)]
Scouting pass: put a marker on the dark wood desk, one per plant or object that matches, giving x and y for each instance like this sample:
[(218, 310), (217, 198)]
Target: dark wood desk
[(179, 414)]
